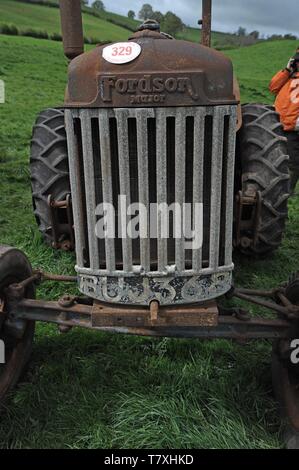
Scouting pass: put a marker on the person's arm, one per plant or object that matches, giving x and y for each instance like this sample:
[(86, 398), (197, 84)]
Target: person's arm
[(278, 81)]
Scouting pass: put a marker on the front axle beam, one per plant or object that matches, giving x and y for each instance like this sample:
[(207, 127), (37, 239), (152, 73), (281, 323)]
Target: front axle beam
[(81, 315)]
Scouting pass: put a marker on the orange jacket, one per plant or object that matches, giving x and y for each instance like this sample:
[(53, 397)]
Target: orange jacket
[(286, 88)]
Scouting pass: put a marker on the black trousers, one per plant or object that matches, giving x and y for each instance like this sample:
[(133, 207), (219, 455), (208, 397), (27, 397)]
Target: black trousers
[(293, 151)]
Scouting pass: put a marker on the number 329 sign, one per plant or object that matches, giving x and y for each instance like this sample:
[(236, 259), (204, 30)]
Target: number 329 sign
[(121, 52)]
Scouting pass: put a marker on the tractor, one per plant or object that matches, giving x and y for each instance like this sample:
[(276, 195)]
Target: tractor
[(155, 122)]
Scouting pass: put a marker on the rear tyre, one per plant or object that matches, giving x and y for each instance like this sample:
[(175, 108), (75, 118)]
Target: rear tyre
[(49, 171), (262, 166), (285, 375), (14, 267)]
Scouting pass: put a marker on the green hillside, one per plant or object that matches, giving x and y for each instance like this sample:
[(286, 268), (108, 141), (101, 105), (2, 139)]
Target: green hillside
[(110, 27), (255, 65), (95, 390), (218, 38), (27, 16)]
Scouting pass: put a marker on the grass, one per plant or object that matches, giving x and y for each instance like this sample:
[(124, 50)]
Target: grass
[(219, 39), (38, 17), (26, 16), (255, 65), (95, 390)]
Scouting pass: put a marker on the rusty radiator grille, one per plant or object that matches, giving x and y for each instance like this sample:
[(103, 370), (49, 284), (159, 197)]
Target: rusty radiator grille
[(162, 155)]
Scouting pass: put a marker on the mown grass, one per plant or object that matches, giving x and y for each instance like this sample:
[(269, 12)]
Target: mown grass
[(94, 390)]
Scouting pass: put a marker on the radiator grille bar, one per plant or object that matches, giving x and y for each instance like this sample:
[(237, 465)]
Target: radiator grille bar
[(77, 196), (199, 129), (231, 145), (143, 179), (124, 179), (180, 176), (161, 187), (107, 180), (89, 178), (217, 153)]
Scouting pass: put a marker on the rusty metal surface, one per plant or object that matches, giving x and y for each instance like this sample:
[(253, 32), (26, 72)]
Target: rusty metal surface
[(80, 315), (203, 316), (228, 328), (198, 321), (60, 229), (171, 72), (103, 314), (247, 227), (154, 311), (202, 320), (56, 277), (206, 23), (286, 311), (17, 336), (71, 27)]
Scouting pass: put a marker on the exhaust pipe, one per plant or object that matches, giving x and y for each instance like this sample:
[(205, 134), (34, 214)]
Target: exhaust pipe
[(71, 27), (206, 22)]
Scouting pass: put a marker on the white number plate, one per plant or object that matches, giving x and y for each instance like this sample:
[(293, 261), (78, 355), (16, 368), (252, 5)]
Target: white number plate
[(121, 52)]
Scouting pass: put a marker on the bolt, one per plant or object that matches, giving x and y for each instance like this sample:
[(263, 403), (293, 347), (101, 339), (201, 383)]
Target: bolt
[(65, 245), (245, 242), (66, 301), (243, 315)]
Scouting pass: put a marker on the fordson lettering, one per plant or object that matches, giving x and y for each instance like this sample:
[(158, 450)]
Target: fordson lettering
[(146, 85)]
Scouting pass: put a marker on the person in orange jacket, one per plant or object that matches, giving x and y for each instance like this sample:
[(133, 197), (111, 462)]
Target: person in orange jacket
[(285, 85)]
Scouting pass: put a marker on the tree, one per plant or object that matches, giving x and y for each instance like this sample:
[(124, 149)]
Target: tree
[(131, 14), (275, 37), (255, 35), (241, 31), (98, 5), (84, 3), (290, 36), (172, 24), (158, 16), (146, 12)]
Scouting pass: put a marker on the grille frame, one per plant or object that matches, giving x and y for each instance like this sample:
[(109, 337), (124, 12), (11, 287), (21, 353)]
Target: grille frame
[(137, 284)]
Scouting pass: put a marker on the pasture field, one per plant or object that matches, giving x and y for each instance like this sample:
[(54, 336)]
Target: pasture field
[(96, 390), (109, 27), (40, 18)]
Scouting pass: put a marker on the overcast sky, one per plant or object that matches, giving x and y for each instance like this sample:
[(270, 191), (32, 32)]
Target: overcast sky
[(267, 16)]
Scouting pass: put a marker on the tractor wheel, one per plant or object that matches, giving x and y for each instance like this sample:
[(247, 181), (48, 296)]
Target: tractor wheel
[(285, 374), (262, 168), (14, 268), (50, 173)]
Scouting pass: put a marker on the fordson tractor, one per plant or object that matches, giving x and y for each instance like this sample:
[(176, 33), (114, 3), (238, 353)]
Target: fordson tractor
[(155, 122)]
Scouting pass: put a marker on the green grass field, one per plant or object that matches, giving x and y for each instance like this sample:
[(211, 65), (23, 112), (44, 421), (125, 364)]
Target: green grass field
[(94, 390), (41, 18), (28, 16)]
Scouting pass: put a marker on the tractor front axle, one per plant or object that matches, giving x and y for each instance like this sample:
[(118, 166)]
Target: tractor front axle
[(208, 320)]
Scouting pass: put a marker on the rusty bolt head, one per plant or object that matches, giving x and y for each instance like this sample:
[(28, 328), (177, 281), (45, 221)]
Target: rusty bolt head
[(66, 301), (66, 245)]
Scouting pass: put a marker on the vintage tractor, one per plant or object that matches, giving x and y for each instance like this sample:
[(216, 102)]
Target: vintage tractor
[(155, 122)]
